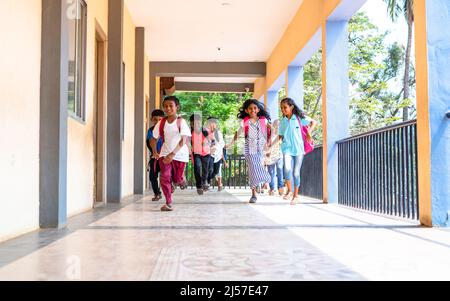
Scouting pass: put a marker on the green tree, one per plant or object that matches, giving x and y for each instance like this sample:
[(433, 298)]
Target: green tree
[(374, 69), (395, 9)]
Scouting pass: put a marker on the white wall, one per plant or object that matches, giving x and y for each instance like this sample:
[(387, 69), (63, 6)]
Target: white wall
[(80, 165), (20, 57), (129, 46)]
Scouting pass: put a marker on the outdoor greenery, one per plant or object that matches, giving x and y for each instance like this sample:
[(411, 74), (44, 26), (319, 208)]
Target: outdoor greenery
[(377, 91)]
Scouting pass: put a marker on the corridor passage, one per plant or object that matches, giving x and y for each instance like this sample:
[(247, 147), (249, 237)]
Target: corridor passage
[(220, 237)]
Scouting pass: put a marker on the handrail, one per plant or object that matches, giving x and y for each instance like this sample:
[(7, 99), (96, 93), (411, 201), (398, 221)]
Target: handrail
[(380, 130)]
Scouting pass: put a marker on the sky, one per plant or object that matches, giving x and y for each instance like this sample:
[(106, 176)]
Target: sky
[(377, 12)]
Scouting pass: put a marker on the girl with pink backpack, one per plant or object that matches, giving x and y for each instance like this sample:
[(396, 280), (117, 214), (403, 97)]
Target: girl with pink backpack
[(257, 131), (295, 132)]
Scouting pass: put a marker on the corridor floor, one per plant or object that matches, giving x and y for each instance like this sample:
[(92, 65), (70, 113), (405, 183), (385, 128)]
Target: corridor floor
[(219, 236)]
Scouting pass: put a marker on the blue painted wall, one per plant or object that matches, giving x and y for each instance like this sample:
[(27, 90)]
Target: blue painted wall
[(438, 23), (295, 85), (338, 112), (273, 105)]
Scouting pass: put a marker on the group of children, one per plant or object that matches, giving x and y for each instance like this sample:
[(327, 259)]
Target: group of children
[(280, 147)]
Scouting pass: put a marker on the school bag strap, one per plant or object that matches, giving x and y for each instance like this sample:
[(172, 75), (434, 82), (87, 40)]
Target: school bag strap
[(308, 142), (264, 125), (163, 124)]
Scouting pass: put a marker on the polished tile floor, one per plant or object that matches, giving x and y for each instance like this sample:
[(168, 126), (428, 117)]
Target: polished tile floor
[(219, 236)]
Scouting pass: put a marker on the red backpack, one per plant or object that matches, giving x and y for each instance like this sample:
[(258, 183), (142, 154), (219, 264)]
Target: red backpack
[(264, 125)]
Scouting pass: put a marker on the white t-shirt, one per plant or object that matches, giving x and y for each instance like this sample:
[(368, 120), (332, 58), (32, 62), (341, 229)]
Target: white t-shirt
[(172, 137), (220, 144)]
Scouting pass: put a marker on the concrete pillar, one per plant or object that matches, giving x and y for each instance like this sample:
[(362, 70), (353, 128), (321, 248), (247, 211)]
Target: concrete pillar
[(114, 105), (294, 84), (273, 105), (53, 115), (139, 111), (433, 102), (336, 112)]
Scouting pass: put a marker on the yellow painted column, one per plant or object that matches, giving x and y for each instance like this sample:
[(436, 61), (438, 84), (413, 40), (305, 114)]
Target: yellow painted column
[(423, 120)]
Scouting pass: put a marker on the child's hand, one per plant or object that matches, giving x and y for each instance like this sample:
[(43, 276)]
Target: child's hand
[(156, 156), (169, 158)]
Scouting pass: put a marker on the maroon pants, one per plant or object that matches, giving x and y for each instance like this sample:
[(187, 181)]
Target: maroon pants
[(172, 171)]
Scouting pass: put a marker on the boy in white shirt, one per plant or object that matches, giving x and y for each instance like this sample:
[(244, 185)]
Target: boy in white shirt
[(174, 154)]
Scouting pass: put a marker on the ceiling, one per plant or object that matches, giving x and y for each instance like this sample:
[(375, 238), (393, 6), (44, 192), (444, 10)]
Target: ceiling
[(194, 30)]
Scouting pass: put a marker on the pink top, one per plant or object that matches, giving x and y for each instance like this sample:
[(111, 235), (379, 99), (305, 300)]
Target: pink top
[(200, 145)]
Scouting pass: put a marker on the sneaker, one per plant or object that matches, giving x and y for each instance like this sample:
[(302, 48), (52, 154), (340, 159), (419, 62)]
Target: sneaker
[(166, 208), (206, 187), (157, 198), (271, 193), (253, 200), (281, 191), (200, 191), (288, 196)]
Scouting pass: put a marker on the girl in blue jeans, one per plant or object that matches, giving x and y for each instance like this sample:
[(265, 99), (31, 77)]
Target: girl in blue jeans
[(274, 163), (292, 146)]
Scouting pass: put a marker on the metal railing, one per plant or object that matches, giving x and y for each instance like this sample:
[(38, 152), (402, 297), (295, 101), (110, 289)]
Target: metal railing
[(311, 184), (234, 176), (378, 171)]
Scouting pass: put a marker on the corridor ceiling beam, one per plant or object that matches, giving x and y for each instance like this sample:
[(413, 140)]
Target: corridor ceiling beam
[(214, 87), (208, 69)]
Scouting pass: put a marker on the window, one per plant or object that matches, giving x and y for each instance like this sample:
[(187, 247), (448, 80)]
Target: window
[(77, 60)]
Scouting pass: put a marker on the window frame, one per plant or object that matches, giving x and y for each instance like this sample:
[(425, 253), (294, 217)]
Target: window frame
[(79, 73)]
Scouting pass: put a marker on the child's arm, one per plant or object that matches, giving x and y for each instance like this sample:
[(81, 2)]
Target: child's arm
[(153, 142), (234, 139), (312, 125), (169, 158)]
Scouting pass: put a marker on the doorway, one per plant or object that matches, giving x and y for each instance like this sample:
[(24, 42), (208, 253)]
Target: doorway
[(99, 117)]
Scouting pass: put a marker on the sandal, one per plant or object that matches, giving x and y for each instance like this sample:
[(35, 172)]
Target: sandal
[(183, 186), (156, 198), (166, 208), (288, 196), (295, 201)]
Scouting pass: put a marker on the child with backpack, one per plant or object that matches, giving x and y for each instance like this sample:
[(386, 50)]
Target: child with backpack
[(217, 154), (154, 147), (295, 132), (174, 155), (274, 162), (257, 130), (201, 153)]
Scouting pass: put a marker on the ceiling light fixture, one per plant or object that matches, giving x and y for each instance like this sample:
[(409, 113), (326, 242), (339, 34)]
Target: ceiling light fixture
[(226, 4)]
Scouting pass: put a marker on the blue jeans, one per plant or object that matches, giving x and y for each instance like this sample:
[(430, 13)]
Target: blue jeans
[(296, 162), (278, 168)]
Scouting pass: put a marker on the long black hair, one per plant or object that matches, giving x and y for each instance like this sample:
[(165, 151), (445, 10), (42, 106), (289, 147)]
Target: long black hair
[(296, 111), (262, 111)]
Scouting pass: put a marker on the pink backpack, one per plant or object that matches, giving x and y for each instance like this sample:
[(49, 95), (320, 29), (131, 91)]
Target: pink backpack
[(307, 141), (264, 125)]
